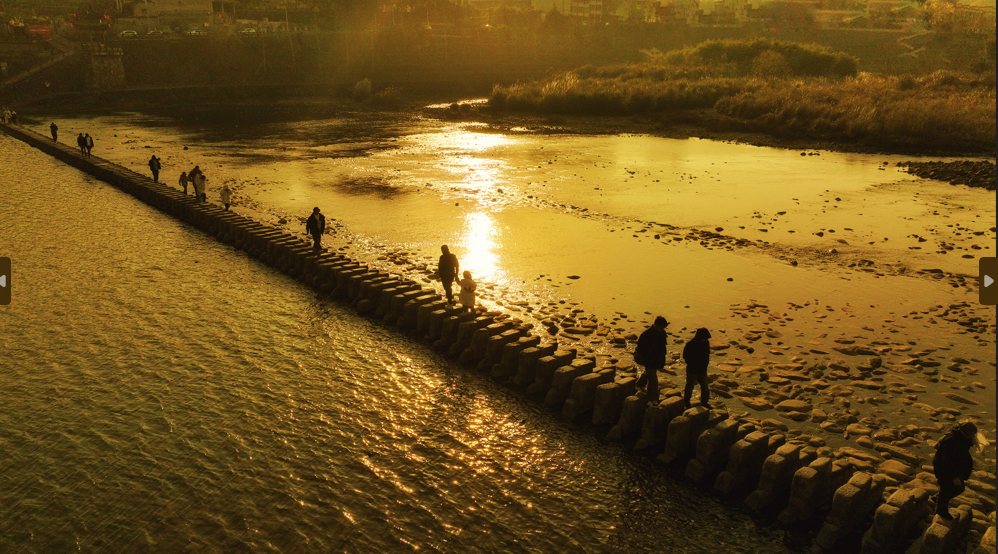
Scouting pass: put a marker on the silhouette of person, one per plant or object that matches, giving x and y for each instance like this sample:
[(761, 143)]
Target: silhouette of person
[(697, 356), (155, 166), (467, 294), (55, 131), (200, 187), (448, 268), (226, 195), (952, 464), (315, 226), (82, 143), (183, 181), (651, 354), (89, 143)]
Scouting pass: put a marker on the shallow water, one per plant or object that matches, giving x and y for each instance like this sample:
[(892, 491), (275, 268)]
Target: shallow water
[(168, 393)]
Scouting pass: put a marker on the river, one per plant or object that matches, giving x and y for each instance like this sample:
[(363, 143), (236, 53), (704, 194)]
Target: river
[(166, 392)]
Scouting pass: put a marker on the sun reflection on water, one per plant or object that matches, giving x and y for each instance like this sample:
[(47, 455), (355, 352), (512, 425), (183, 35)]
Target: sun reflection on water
[(480, 242)]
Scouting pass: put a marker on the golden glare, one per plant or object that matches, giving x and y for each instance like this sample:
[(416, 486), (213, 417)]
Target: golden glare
[(480, 244)]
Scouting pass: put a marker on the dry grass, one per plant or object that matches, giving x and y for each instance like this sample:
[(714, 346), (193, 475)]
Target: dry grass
[(766, 87)]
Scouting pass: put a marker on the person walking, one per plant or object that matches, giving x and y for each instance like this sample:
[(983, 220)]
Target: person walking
[(650, 353), (89, 143), (200, 187), (697, 356), (448, 268), (82, 143), (315, 226), (226, 195), (155, 166), (183, 181), (192, 174), (467, 294), (952, 464), (54, 128)]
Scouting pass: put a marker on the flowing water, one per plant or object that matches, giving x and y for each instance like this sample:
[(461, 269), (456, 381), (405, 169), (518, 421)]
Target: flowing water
[(166, 393)]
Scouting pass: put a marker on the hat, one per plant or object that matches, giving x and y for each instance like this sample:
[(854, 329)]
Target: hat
[(966, 428)]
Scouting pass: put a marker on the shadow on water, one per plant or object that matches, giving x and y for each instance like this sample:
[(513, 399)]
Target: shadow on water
[(368, 186)]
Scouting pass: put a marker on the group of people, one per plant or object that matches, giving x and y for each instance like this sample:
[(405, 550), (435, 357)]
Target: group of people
[(8, 116), (952, 463), (651, 352), (198, 180), (84, 141)]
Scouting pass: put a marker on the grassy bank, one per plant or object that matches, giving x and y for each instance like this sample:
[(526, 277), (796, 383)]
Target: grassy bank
[(782, 89)]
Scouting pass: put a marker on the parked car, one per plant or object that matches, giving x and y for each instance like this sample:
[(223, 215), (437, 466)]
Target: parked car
[(128, 34), (248, 31), (196, 32), (155, 33)]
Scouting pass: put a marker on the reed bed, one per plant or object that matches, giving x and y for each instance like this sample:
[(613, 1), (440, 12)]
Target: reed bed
[(782, 89)]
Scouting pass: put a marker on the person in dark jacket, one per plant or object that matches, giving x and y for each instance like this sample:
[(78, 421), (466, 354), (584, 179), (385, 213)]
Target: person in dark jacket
[(651, 354), (952, 464), (697, 356), (315, 226), (448, 268), (154, 166), (55, 131), (82, 143)]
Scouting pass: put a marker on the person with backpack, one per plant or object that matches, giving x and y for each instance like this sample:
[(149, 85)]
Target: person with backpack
[(650, 353), (696, 353), (952, 464)]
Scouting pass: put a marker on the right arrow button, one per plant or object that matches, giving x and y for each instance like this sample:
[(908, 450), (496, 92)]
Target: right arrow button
[(988, 295)]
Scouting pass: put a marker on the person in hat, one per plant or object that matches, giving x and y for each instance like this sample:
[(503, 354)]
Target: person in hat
[(650, 353), (696, 353), (952, 464)]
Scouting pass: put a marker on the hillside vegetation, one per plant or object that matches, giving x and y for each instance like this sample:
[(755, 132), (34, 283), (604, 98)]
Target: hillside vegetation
[(781, 88)]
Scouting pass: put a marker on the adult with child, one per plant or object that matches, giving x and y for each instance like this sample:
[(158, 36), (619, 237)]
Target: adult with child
[(696, 353), (467, 294), (315, 226), (650, 353), (89, 143)]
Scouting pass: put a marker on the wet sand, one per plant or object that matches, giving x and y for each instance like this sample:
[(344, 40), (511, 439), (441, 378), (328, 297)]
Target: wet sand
[(836, 280)]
